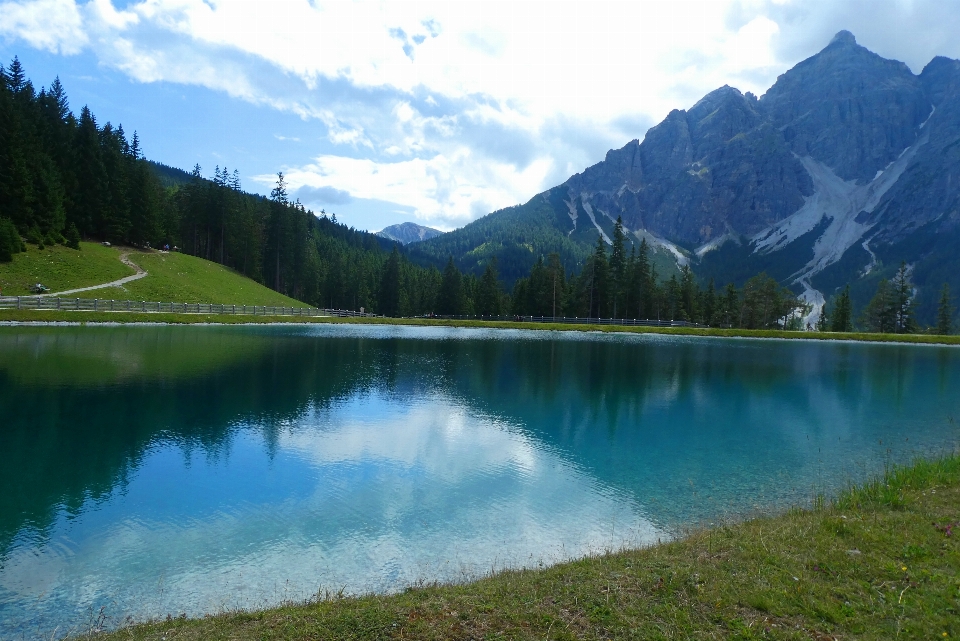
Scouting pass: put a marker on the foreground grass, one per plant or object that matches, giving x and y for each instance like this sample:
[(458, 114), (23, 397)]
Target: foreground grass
[(26, 316), (61, 268), (176, 277), (880, 562)]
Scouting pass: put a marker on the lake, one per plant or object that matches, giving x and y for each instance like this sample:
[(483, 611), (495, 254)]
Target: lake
[(149, 471)]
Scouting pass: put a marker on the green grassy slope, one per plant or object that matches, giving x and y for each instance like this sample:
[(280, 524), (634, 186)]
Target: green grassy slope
[(187, 279), (880, 562), (171, 277), (61, 268)]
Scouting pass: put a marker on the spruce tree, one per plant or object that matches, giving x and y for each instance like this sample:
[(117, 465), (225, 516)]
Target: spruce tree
[(945, 312), (72, 237), (842, 315), (10, 243), (823, 322), (450, 297), (878, 316), (389, 297), (618, 263), (488, 293), (903, 301), (599, 276), (642, 281)]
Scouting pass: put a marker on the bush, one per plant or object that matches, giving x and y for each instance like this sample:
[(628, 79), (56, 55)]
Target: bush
[(34, 237), (10, 242)]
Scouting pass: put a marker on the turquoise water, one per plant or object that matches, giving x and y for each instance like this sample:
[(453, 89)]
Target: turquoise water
[(149, 471)]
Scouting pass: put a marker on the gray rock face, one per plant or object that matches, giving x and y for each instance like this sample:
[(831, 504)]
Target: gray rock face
[(718, 168), (847, 165), (848, 108), (406, 233)]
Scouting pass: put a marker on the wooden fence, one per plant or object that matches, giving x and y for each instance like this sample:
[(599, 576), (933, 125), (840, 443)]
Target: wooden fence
[(103, 305)]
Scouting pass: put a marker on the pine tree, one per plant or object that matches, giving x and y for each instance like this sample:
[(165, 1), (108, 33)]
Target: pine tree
[(878, 316), (903, 301), (488, 293), (823, 322), (708, 304), (450, 297), (945, 312), (279, 197), (598, 285), (72, 237), (842, 315), (9, 240), (389, 297), (16, 77), (618, 263), (689, 295)]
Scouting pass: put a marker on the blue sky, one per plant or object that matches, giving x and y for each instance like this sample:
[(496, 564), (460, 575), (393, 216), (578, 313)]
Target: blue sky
[(432, 112)]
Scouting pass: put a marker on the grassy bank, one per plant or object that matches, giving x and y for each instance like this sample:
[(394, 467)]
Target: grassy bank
[(27, 316), (176, 277), (882, 561), (61, 268), (172, 277)]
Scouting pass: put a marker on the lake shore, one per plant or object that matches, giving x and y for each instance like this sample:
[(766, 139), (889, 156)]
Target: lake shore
[(27, 317), (879, 561)]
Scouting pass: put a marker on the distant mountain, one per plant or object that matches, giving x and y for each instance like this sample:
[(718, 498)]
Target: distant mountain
[(406, 233), (847, 165)]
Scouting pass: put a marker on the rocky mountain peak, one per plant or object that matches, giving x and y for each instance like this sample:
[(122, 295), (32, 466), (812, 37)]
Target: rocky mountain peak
[(848, 108), (843, 38)]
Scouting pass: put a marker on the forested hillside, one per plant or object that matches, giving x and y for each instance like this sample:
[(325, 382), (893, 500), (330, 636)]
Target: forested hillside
[(65, 177)]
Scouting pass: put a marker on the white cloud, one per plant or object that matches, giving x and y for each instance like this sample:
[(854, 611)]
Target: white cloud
[(428, 92), (51, 25), (442, 187)]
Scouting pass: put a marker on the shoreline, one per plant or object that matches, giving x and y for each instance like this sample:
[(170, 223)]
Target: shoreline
[(52, 318), (878, 561)]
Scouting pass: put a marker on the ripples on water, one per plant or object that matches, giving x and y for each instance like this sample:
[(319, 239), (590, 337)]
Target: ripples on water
[(166, 470)]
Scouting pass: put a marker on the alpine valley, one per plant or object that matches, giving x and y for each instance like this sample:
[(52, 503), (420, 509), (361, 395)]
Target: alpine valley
[(848, 165)]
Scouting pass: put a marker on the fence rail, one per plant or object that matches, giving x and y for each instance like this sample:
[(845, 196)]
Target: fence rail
[(103, 305)]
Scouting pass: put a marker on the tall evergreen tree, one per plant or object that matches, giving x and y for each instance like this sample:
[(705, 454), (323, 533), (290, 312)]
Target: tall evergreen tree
[(9, 240), (488, 293), (879, 314), (945, 312), (598, 284), (903, 301), (823, 321), (841, 320), (450, 298), (618, 264), (389, 298)]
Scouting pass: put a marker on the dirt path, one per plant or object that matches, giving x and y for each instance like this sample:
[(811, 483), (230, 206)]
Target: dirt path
[(125, 259)]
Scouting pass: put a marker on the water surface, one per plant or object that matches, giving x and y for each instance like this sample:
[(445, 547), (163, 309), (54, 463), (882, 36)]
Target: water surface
[(157, 470)]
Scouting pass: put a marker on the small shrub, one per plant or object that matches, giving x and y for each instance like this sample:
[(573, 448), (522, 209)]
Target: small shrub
[(72, 237)]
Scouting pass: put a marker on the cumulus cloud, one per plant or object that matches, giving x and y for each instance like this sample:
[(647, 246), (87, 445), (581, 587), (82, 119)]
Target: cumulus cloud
[(453, 107), (50, 25)]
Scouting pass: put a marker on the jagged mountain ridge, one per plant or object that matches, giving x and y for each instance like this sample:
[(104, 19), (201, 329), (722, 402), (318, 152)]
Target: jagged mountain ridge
[(406, 233), (848, 164)]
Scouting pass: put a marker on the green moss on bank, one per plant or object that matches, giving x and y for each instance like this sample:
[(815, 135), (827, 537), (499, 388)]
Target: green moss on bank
[(880, 562)]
